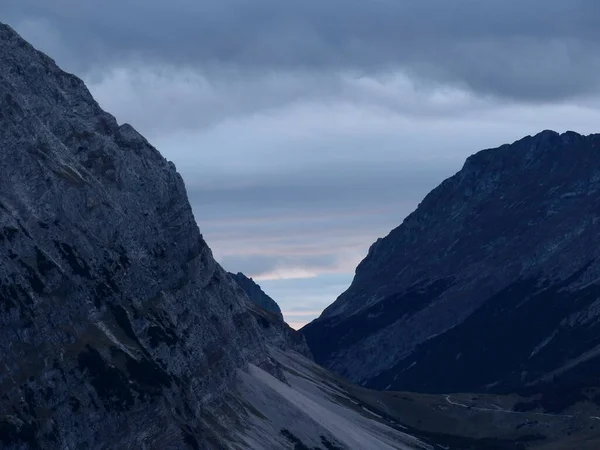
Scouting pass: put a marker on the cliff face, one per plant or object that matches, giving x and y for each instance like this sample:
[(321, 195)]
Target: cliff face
[(118, 326), (492, 283), (268, 315), (256, 294)]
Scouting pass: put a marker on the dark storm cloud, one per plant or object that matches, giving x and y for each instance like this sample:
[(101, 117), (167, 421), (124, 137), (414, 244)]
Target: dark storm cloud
[(530, 50)]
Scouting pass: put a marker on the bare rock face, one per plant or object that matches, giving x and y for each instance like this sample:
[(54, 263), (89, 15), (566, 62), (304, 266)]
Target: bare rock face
[(268, 315), (279, 334), (118, 328), (256, 294), (491, 284)]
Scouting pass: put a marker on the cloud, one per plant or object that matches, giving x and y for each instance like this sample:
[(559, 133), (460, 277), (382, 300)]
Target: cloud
[(302, 245), (171, 98), (532, 50), (281, 266)]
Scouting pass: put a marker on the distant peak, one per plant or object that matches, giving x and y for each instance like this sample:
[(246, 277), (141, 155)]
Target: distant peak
[(5, 27), (567, 136), (256, 294), (7, 32), (547, 133)]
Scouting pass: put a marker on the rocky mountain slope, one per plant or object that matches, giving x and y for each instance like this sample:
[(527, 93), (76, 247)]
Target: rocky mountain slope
[(256, 294), (306, 408), (492, 284), (110, 300), (273, 328), (118, 328)]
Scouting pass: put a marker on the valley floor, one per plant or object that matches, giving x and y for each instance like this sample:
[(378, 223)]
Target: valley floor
[(486, 422), (307, 408)]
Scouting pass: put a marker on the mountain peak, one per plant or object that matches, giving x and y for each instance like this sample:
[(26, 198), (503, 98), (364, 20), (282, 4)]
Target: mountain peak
[(474, 256)]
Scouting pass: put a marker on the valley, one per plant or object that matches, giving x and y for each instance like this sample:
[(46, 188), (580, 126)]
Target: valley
[(473, 325)]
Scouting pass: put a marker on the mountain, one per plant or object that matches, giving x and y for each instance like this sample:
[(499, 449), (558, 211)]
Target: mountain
[(109, 297), (256, 294), (491, 285), (268, 315), (119, 329)]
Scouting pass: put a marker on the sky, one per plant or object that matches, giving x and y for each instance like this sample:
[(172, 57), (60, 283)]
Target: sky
[(305, 130)]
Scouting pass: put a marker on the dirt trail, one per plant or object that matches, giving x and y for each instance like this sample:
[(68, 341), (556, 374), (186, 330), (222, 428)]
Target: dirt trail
[(508, 411)]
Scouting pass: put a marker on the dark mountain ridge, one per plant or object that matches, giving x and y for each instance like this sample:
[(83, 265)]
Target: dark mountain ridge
[(268, 315), (491, 284), (256, 294)]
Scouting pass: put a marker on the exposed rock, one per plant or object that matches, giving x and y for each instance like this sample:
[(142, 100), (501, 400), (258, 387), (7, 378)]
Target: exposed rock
[(273, 328), (491, 284), (256, 294), (119, 329), (314, 410), (279, 334)]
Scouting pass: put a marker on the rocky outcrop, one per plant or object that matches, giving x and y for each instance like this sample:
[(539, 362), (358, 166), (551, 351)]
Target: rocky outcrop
[(279, 334), (268, 315), (119, 329), (491, 284), (256, 294)]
